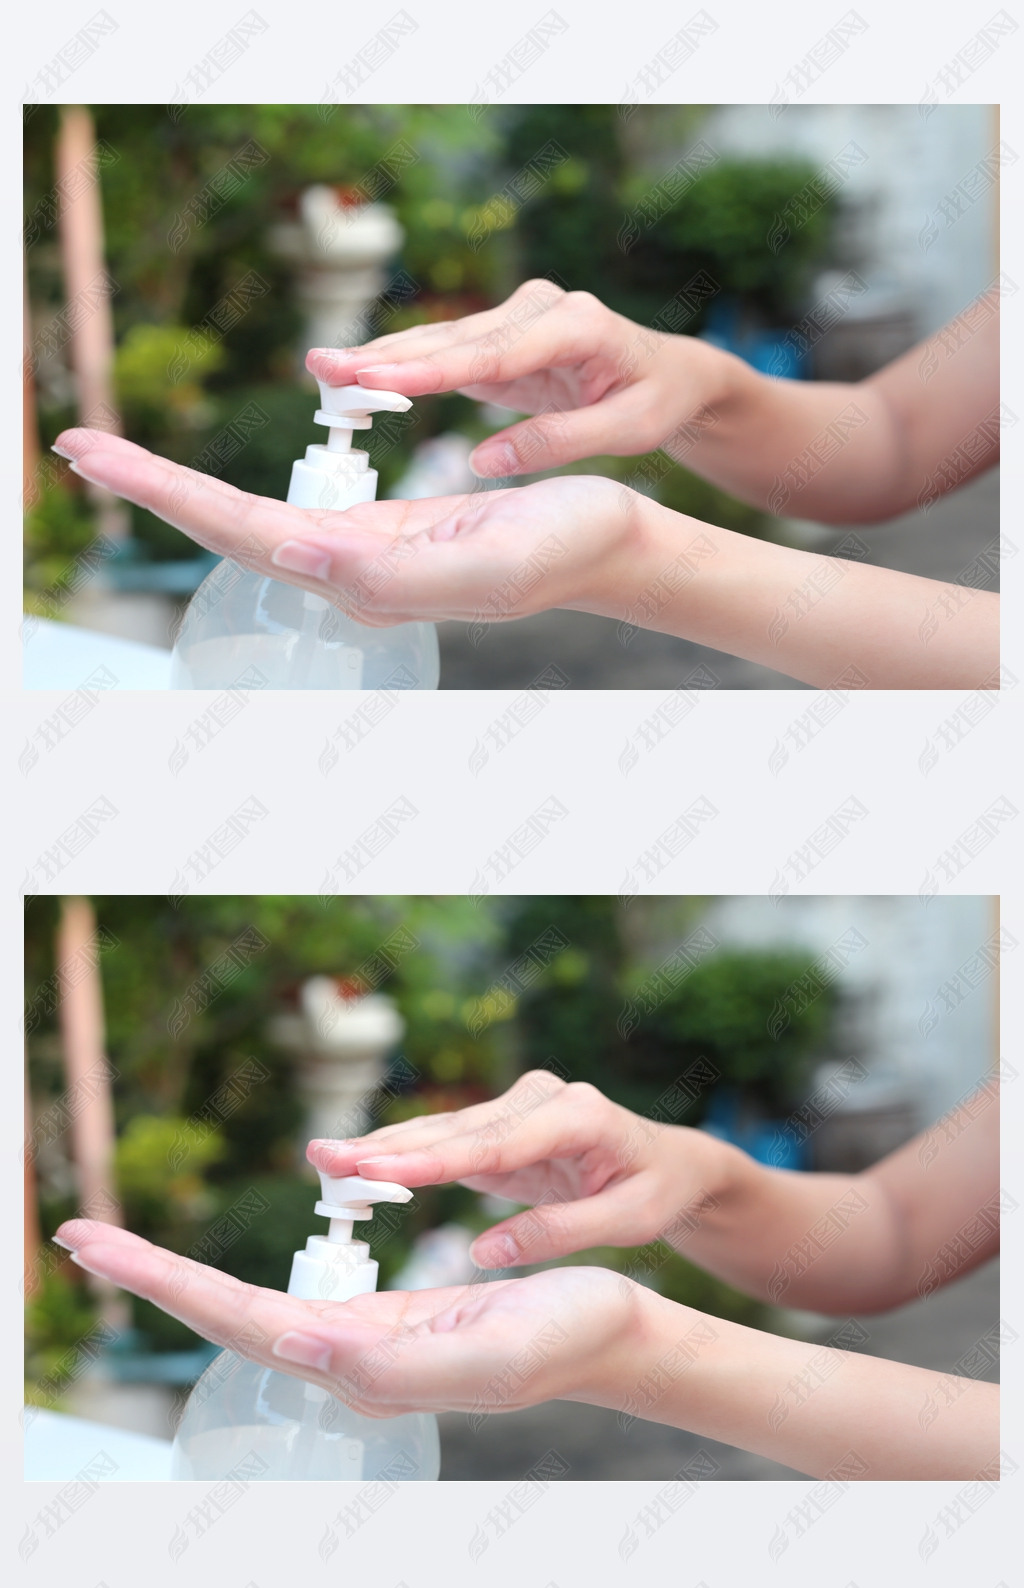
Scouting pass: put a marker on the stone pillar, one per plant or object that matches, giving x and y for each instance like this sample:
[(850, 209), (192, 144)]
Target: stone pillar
[(338, 251), (341, 1045)]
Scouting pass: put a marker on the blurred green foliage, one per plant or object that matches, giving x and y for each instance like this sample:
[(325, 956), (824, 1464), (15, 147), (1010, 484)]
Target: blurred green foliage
[(487, 989), (721, 1013), (58, 528), (191, 199), (57, 1316)]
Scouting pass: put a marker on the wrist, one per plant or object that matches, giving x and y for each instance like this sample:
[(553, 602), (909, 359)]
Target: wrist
[(651, 555), (730, 1185), (637, 1337), (701, 380)]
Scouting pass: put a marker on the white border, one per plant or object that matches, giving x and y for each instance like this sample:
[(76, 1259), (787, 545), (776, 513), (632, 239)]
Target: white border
[(421, 1537)]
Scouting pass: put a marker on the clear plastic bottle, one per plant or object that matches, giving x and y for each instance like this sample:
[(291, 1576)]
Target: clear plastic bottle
[(239, 620), (249, 1421)]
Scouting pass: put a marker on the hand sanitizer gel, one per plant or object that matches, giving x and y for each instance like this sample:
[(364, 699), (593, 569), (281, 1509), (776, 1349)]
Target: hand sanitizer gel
[(239, 621), (249, 1420)]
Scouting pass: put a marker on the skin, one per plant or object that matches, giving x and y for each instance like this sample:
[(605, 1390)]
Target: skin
[(596, 384), (594, 1172)]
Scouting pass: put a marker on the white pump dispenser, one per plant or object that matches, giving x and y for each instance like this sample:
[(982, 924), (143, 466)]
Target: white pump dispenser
[(334, 1267), (333, 476), (244, 1420), (244, 630)]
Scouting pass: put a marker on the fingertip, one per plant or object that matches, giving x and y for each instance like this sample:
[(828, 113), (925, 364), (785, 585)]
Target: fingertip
[(493, 1251), (72, 443), (90, 1268), (494, 460), (326, 363), (72, 1233), (325, 1153)]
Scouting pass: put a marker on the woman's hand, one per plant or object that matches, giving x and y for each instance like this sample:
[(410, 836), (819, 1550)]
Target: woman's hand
[(488, 556), (594, 1173), (840, 453), (568, 1332), (597, 382)]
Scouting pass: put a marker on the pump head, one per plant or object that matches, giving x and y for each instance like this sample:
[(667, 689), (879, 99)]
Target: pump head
[(334, 477), (334, 1267), (347, 408), (353, 1198)]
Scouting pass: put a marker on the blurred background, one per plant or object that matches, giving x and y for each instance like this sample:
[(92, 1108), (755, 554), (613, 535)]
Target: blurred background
[(181, 1053), (181, 261)]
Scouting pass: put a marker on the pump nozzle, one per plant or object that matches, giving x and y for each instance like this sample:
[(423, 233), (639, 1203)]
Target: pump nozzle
[(334, 1267), (334, 477), (347, 408)]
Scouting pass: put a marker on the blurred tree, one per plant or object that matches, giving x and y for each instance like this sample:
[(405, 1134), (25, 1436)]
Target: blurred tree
[(722, 1011), (568, 1014), (57, 1318), (726, 224)]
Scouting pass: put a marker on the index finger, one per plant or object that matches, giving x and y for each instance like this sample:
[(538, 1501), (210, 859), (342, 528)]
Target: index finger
[(216, 1305), (486, 1121), (403, 349), (500, 1146), (493, 359)]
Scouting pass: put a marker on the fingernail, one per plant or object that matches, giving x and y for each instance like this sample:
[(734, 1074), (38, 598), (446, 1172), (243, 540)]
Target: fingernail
[(58, 1242), (377, 369), (494, 1251), (370, 1163), (297, 558), (305, 1350), (61, 452)]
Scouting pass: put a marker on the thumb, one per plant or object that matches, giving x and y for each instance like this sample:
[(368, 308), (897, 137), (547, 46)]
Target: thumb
[(553, 437), (556, 1226)]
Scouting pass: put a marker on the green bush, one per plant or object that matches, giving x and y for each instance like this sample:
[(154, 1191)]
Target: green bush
[(57, 1317), (724, 1011), (59, 527), (724, 225)]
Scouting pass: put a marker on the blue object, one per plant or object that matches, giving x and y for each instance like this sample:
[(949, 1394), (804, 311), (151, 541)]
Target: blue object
[(769, 1141), (129, 1362), (772, 352), (130, 569)]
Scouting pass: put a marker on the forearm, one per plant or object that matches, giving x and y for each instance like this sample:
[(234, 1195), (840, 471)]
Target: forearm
[(831, 1243), (819, 619), (826, 1412), (806, 449)]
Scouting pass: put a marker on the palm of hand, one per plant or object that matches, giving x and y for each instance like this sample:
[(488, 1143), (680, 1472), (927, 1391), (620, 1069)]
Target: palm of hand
[(450, 1349)]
